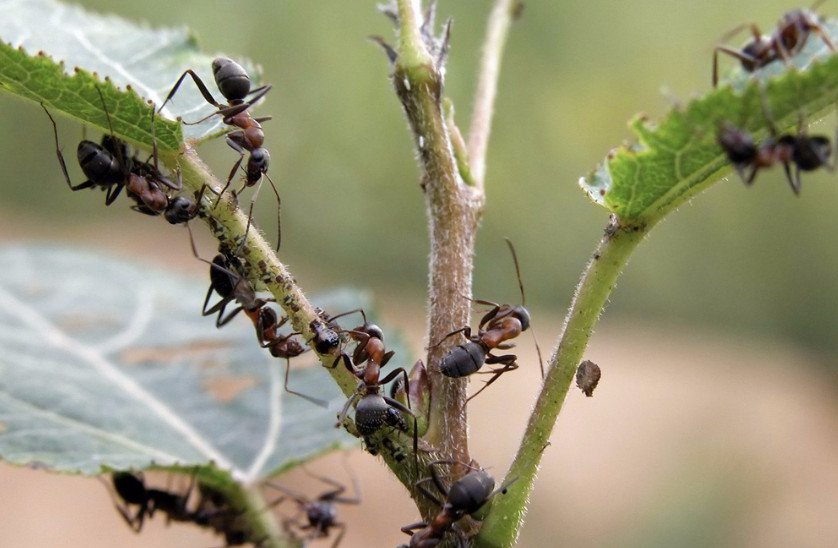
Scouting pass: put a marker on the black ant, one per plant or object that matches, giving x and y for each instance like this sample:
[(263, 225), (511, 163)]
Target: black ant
[(320, 512), (212, 510), (467, 495), (501, 323), (130, 487), (373, 410), (806, 152), (234, 84), (788, 39), (110, 167)]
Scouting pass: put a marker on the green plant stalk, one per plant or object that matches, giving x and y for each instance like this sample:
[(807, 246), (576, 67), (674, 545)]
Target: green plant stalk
[(228, 223), (506, 516)]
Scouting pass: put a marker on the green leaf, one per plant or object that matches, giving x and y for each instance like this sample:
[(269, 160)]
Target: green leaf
[(108, 365), (52, 53), (679, 157)]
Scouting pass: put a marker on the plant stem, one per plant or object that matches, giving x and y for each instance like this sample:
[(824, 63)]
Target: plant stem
[(507, 513), (497, 30)]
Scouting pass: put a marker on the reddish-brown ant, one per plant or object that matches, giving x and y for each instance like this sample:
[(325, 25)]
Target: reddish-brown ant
[(110, 167), (788, 39), (502, 323), (320, 513), (806, 152), (373, 410), (465, 496), (234, 84)]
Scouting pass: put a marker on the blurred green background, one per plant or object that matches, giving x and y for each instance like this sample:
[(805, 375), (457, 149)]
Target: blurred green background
[(747, 264)]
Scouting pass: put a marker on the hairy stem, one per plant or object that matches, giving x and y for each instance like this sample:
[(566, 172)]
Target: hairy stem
[(507, 513)]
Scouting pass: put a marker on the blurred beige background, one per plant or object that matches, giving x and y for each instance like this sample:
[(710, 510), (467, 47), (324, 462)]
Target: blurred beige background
[(716, 419)]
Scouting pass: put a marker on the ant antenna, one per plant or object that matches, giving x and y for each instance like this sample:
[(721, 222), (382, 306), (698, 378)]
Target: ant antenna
[(524, 302)]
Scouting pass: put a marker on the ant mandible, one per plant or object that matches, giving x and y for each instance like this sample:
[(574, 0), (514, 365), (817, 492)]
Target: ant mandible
[(788, 39), (467, 495), (320, 513), (110, 167), (501, 323), (234, 84), (806, 152), (373, 410)]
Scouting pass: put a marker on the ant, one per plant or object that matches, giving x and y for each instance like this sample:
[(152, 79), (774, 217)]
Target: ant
[(788, 39), (325, 337), (212, 511), (373, 410), (501, 323), (806, 152), (465, 496), (110, 167), (131, 489), (234, 84), (320, 512), (232, 286), (281, 346)]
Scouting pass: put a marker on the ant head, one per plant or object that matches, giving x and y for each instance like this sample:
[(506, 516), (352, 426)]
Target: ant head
[(811, 152), (232, 80), (180, 210), (259, 160), (523, 316), (755, 51)]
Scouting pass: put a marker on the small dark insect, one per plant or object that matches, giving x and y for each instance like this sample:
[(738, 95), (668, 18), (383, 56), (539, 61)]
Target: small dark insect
[(326, 340), (281, 346), (320, 513), (212, 509), (373, 410), (109, 166), (465, 496), (806, 152), (131, 488), (788, 39), (234, 84), (502, 323), (587, 377)]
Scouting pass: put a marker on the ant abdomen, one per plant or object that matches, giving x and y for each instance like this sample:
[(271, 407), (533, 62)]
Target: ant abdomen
[(471, 491), (463, 360), (98, 164), (231, 78), (373, 412)]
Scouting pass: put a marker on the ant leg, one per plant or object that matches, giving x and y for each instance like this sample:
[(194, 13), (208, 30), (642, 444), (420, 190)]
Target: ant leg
[(348, 312), (742, 57), (315, 401), (466, 331), (409, 529), (221, 322), (343, 412), (342, 527), (397, 405), (278, 211), (113, 192), (509, 365), (420, 485), (201, 87), (395, 373), (86, 184), (233, 143)]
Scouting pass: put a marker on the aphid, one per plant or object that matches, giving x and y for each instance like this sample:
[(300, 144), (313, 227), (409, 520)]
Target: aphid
[(587, 377), (500, 324), (465, 496), (789, 39), (234, 84)]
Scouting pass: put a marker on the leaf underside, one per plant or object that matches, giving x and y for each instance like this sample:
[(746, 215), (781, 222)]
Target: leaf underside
[(678, 156), (58, 54), (108, 365)]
